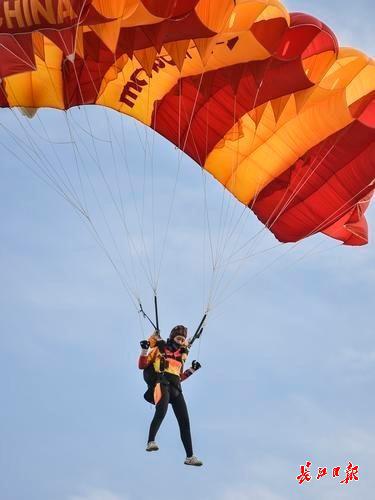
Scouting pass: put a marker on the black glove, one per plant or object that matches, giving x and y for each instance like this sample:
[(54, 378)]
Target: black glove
[(195, 365), (161, 344), (145, 344)]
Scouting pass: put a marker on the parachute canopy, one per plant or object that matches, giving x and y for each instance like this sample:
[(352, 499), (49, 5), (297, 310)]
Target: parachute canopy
[(264, 100)]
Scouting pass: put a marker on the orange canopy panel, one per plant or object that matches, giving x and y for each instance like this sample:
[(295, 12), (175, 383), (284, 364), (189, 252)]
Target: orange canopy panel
[(263, 99)]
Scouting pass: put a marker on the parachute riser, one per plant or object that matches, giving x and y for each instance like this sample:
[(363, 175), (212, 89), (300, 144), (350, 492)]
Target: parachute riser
[(198, 331), (156, 313), (146, 316)]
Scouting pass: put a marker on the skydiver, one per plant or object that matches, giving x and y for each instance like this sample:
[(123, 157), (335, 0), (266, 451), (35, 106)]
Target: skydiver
[(163, 363)]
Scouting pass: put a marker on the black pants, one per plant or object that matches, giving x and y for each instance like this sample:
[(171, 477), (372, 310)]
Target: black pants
[(174, 396)]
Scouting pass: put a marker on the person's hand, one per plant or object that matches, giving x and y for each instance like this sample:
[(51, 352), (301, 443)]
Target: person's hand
[(153, 338), (195, 365), (161, 344), (145, 344)]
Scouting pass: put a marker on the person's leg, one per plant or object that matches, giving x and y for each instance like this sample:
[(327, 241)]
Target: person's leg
[(160, 412), (181, 412)]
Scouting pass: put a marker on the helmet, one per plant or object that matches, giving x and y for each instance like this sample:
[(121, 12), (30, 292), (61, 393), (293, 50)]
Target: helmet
[(178, 334), (178, 330)]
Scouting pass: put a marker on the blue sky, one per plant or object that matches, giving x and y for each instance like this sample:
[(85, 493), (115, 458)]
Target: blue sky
[(288, 361)]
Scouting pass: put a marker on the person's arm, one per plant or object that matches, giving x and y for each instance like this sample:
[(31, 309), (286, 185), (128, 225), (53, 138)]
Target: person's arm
[(147, 356), (148, 351), (143, 361), (187, 373)]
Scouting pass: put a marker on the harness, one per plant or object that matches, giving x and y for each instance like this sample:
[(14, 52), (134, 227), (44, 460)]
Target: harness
[(151, 376), (167, 358), (154, 379)]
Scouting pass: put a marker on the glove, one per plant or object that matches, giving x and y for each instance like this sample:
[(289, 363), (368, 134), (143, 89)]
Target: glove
[(145, 344), (161, 345), (195, 365)]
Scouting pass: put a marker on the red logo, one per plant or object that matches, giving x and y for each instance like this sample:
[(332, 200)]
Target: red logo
[(351, 473)]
